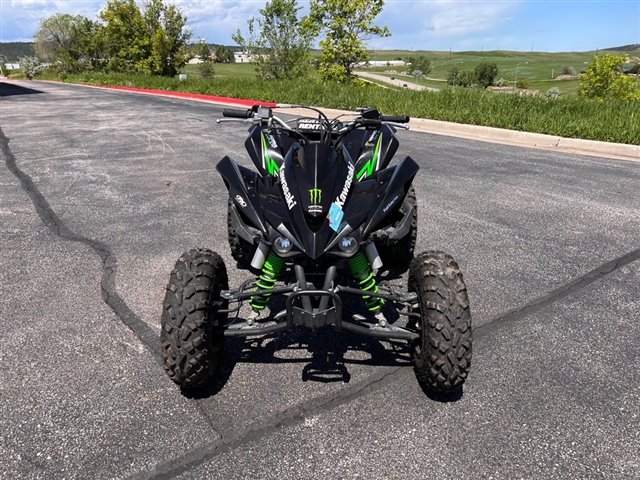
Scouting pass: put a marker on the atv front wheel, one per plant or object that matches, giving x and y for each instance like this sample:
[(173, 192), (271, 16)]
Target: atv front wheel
[(192, 328), (398, 255), (442, 355)]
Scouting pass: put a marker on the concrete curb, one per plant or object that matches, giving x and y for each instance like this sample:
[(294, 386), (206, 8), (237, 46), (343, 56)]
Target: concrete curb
[(618, 151)]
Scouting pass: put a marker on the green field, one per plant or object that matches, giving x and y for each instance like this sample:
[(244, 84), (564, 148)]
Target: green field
[(224, 70), (539, 69)]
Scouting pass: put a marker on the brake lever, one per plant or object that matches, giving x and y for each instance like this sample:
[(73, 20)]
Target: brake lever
[(235, 120), (397, 125)]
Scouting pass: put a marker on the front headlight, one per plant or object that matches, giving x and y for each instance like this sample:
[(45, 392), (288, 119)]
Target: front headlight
[(282, 245), (348, 245)]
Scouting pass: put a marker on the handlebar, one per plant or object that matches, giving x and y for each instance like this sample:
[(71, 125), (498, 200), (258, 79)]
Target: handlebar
[(237, 113), (395, 118), (368, 118)]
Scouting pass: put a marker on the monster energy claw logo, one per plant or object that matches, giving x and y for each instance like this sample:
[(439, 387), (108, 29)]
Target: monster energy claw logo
[(315, 195)]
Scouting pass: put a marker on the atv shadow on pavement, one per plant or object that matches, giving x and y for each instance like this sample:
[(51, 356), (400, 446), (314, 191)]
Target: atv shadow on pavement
[(326, 353)]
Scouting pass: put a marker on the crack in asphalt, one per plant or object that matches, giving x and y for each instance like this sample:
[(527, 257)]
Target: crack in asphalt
[(563, 291), (258, 430), (109, 262), (295, 413)]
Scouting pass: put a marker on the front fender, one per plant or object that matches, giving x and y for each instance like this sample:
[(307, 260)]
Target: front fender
[(242, 184), (392, 185)]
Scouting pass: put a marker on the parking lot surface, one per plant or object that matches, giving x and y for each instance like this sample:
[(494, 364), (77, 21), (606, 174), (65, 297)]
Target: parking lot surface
[(100, 193)]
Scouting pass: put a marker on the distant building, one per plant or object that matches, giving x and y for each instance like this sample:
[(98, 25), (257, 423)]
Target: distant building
[(243, 57), (383, 63)]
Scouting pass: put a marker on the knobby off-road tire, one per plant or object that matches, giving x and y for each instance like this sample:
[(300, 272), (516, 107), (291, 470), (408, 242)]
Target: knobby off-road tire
[(241, 250), (398, 255), (442, 355), (192, 329)]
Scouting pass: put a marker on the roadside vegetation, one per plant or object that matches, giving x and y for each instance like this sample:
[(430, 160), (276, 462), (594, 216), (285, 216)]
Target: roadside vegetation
[(611, 121), (573, 95)]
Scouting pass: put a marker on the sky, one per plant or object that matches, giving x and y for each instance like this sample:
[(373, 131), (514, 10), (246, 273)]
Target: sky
[(458, 25)]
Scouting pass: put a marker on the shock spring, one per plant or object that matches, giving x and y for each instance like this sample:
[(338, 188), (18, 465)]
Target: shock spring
[(365, 279), (271, 270)]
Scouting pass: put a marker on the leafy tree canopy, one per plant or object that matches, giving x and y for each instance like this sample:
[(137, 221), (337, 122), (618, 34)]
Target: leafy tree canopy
[(604, 79), (277, 41), (346, 24)]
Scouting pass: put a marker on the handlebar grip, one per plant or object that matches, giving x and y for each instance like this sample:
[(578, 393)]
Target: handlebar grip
[(237, 113), (369, 122), (396, 118)]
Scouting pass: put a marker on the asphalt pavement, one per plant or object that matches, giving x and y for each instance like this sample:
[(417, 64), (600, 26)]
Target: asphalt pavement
[(100, 193)]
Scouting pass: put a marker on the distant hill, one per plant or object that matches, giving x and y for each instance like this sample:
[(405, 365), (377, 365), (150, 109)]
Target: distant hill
[(634, 47), (14, 50)]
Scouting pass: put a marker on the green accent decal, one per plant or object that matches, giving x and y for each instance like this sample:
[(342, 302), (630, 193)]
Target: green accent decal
[(315, 195), (369, 167), (268, 163)]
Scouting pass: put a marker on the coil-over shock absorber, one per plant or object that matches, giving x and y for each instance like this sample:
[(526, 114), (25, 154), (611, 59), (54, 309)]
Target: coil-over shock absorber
[(271, 270), (365, 279)]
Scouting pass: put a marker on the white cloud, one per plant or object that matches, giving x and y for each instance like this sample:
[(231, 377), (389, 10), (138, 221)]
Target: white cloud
[(452, 18), (423, 24)]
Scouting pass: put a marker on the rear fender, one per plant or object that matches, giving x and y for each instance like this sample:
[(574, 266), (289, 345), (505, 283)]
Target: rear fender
[(242, 184)]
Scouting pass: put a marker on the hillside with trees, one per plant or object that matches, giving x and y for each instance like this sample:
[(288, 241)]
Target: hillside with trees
[(12, 51)]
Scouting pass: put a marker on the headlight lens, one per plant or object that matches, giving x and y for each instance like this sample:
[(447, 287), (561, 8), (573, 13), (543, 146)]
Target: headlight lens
[(348, 245), (282, 245)]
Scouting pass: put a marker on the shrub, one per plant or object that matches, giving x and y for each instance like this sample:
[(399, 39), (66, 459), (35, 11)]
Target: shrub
[(466, 78), (417, 74), (31, 66), (604, 79), (522, 84), (453, 76), (485, 73), (421, 63), (206, 69), (553, 93), (569, 70)]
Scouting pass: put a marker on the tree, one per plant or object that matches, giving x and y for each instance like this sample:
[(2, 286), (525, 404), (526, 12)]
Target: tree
[(277, 41), (346, 25), (206, 69), (125, 36), (463, 78), (202, 50), (604, 79), (68, 41), (485, 73), (223, 54), (421, 63), (151, 41), (168, 37), (56, 35)]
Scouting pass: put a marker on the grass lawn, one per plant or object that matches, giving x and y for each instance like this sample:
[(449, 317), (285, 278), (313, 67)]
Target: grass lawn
[(224, 70)]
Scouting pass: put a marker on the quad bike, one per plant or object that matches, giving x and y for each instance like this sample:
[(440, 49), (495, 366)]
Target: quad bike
[(312, 217), (371, 149)]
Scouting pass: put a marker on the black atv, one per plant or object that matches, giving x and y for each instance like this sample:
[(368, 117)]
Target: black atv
[(313, 224), (371, 149)]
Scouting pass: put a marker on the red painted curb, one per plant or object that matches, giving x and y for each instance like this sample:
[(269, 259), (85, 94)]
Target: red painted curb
[(194, 96), (171, 93)]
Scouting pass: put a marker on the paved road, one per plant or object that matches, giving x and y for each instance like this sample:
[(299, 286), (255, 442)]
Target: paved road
[(101, 191), (396, 82)]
